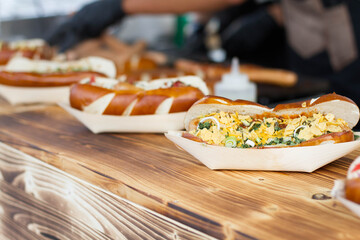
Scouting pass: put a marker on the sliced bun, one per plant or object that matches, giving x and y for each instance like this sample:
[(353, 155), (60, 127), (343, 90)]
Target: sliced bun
[(335, 137), (107, 96), (93, 64), (32, 48), (192, 81), (27, 79), (210, 104), (25, 72), (340, 106)]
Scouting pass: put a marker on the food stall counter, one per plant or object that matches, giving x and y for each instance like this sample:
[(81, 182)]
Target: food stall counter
[(60, 181)]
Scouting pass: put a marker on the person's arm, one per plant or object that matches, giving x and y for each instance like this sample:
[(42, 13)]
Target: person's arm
[(94, 18), (175, 6)]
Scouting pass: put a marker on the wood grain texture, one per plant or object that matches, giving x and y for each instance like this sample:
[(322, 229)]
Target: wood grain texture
[(6, 108), (150, 171), (39, 201)]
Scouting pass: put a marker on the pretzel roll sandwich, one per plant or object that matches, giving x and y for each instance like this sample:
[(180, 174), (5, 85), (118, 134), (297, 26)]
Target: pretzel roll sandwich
[(244, 124), (41, 73), (34, 49), (162, 96)]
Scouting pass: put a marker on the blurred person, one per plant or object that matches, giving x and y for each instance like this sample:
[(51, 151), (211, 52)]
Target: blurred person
[(94, 18), (266, 46), (323, 36), (324, 41)]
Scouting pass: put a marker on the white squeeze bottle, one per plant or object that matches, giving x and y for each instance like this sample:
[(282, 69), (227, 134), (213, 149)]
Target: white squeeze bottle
[(235, 85)]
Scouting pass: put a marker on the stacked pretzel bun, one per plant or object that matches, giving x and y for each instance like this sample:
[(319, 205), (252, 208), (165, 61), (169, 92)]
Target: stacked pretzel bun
[(33, 49), (98, 95), (244, 124), (352, 183), (24, 72), (127, 58)]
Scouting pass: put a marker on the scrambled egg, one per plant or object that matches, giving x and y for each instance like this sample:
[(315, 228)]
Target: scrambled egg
[(250, 132)]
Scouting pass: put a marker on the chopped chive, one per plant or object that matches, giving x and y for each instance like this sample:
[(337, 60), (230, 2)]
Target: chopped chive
[(230, 142), (206, 125), (277, 127), (246, 123), (256, 126)]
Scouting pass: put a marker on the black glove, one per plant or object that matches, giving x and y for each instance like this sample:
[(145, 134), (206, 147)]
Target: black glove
[(89, 22), (247, 33)]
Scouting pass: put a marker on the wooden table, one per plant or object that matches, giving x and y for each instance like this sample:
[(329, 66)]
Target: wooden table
[(67, 183)]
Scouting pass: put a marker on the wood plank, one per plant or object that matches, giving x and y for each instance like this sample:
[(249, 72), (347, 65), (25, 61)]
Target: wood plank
[(39, 201), (6, 108), (149, 170)]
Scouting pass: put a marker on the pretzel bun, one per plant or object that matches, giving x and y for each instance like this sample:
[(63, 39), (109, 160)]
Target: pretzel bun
[(162, 96), (340, 107), (127, 58), (135, 63), (256, 73), (352, 190), (25, 72), (352, 183), (26, 79), (34, 48)]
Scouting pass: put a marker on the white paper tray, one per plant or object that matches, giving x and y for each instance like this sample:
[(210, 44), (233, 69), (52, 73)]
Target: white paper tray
[(338, 192), (24, 95), (300, 159), (143, 123)]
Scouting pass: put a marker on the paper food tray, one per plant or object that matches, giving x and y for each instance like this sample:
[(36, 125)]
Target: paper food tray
[(22, 95), (143, 123), (300, 159), (338, 192)]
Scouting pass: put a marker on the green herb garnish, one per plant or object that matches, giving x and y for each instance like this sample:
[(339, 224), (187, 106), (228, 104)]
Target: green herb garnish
[(277, 127), (206, 125), (298, 140), (255, 127), (231, 142)]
